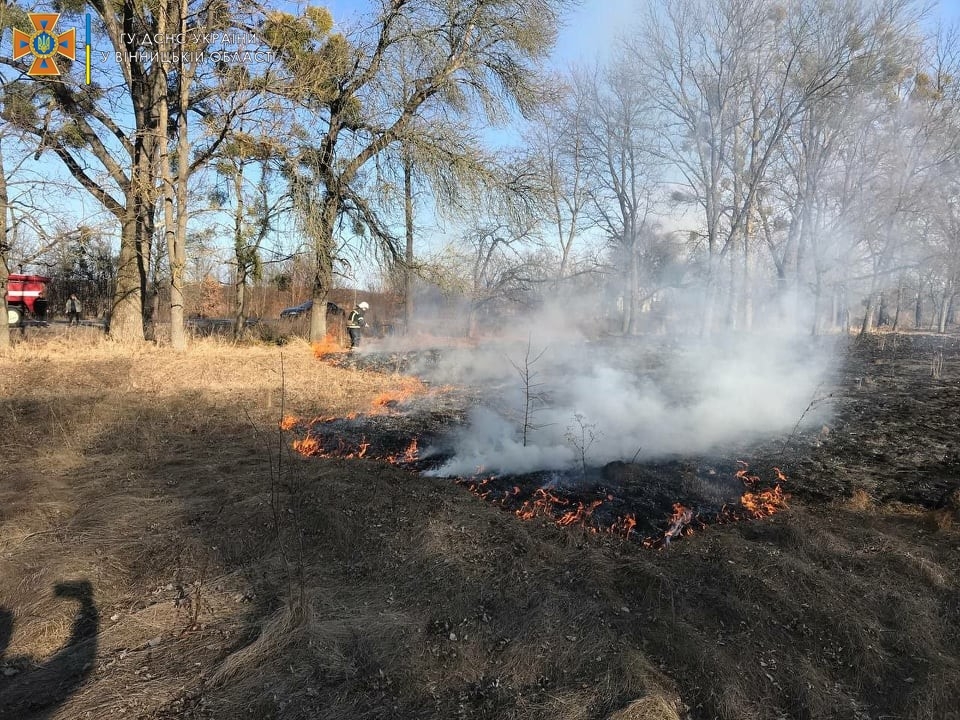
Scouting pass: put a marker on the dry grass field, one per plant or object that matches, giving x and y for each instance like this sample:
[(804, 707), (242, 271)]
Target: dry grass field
[(164, 554)]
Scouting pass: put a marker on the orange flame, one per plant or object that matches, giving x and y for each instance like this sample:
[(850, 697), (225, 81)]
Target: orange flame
[(624, 525), (679, 523), (408, 388), (743, 473), (364, 446), (580, 515), (765, 503), (288, 422), (410, 455), (762, 503), (308, 446), (311, 446), (682, 522), (328, 346), (543, 503)]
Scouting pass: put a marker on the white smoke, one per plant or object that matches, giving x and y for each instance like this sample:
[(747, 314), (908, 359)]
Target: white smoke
[(625, 398), (492, 443)]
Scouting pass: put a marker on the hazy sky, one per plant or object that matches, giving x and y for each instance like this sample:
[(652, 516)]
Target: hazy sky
[(589, 29), (591, 26)]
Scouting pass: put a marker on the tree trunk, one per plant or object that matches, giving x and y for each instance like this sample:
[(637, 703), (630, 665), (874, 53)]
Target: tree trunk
[(126, 314), (918, 309), (323, 275), (408, 270), (146, 223), (867, 324), (240, 318), (747, 294), (709, 298), (633, 326), (945, 301), (896, 312), (4, 249), (733, 278), (472, 321), (883, 313), (136, 233), (166, 176), (843, 319), (174, 192), (241, 254), (817, 327), (178, 252), (566, 245)]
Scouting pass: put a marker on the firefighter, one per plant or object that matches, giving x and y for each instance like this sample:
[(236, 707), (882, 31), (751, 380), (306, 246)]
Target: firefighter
[(355, 322), (40, 307)]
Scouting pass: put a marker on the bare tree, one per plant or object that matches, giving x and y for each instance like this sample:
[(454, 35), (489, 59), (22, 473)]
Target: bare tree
[(557, 152), (474, 56), (622, 172), (730, 79), (115, 155)]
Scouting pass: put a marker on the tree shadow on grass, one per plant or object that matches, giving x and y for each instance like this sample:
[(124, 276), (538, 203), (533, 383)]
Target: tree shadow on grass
[(38, 689)]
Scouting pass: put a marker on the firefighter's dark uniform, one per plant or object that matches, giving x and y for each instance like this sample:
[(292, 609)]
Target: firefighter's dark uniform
[(354, 323)]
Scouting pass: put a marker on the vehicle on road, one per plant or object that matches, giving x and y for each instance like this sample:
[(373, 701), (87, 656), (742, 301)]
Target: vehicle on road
[(304, 308)]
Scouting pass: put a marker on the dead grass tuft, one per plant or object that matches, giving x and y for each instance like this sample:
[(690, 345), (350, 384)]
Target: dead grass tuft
[(861, 501), (943, 520), (289, 626), (654, 707)]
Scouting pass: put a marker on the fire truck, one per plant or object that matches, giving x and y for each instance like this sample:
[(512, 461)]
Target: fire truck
[(22, 293)]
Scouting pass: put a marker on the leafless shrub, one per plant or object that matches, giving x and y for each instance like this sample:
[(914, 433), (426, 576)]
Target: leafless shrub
[(534, 398), (582, 436)]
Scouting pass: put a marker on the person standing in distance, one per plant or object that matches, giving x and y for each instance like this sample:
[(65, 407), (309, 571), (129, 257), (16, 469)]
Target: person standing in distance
[(40, 307), (73, 310), (355, 322)]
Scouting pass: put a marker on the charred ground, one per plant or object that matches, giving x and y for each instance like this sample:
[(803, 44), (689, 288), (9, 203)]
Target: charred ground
[(235, 578)]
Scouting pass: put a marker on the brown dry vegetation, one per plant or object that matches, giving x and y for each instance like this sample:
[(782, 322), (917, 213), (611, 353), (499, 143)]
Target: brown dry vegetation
[(151, 476)]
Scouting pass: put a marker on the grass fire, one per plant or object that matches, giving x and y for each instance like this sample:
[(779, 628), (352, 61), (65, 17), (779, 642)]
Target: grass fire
[(800, 569), (480, 360)]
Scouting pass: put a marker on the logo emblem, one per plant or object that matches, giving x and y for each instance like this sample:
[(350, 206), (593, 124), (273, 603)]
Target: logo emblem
[(45, 44)]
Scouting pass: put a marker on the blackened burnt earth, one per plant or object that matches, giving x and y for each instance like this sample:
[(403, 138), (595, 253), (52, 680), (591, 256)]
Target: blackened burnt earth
[(894, 433), (636, 501), (895, 401), (832, 610)]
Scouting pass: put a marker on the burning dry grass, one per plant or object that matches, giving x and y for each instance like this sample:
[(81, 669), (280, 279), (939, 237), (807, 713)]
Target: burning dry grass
[(330, 345), (148, 474), (408, 388), (619, 512)]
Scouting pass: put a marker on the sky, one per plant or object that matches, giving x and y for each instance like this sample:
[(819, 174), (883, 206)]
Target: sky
[(590, 28)]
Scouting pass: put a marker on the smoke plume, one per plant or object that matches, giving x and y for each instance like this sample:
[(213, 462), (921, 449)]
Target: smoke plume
[(554, 399)]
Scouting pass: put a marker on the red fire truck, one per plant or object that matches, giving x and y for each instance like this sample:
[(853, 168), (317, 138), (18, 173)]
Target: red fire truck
[(22, 293)]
